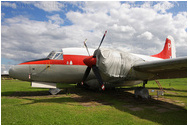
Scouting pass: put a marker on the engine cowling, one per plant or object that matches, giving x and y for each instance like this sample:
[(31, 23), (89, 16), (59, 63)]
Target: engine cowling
[(115, 65)]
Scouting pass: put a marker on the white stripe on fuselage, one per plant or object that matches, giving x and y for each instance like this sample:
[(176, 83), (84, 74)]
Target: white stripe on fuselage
[(83, 51), (147, 58), (77, 51)]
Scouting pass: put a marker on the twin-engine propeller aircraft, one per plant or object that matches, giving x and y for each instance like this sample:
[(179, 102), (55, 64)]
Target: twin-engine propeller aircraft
[(110, 68)]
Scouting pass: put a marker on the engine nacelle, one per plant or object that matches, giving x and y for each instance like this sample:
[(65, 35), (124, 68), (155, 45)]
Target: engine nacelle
[(115, 65)]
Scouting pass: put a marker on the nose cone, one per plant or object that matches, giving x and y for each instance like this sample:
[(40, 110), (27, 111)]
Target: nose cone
[(90, 61), (20, 72), (11, 72)]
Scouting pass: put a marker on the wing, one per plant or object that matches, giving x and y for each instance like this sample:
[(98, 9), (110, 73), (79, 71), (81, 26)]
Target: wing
[(164, 69)]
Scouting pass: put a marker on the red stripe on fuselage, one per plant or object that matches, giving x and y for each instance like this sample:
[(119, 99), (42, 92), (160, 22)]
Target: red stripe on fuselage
[(67, 60)]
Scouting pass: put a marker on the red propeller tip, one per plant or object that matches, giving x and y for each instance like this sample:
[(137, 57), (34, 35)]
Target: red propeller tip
[(103, 87)]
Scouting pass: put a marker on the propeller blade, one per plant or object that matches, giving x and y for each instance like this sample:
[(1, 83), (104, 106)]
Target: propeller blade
[(90, 61), (98, 76), (86, 74), (86, 47), (102, 39)]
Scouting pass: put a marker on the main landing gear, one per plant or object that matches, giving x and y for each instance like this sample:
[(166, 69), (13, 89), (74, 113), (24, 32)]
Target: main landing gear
[(142, 91)]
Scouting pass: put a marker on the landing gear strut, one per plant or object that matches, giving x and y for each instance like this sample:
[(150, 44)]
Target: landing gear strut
[(142, 91), (145, 82)]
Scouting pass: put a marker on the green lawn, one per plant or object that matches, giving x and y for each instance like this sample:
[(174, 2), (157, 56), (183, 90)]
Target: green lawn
[(23, 105)]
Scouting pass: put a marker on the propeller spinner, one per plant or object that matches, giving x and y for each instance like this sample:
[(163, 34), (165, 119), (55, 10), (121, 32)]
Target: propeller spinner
[(91, 61)]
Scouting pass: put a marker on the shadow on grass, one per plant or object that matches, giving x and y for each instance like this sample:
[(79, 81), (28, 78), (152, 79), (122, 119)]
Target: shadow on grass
[(161, 111), (171, 89), (169, 95)]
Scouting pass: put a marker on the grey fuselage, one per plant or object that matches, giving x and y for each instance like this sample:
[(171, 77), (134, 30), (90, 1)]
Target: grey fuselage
[(115, 69)]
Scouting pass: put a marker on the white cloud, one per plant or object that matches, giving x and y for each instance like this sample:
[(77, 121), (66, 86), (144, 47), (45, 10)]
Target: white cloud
[(147, 4), (56, 19), (49, 5), (163, 6), (24, 39), (146, 35), (2, 15), (135, 29), (126, 22), (8, 4), (102, 6)]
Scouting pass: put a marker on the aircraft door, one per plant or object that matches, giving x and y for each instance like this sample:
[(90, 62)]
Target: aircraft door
[(36, 72), (32, 72)]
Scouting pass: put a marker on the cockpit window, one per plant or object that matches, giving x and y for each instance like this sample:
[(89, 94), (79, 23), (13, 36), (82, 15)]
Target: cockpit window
[(58, 56), (50, 56), (55, 55)]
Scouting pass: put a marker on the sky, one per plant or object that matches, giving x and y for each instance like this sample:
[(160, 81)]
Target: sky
[(30, 30)]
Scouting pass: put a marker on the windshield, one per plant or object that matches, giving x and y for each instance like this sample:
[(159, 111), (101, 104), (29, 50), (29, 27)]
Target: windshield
[(51, 55), (55, 55)]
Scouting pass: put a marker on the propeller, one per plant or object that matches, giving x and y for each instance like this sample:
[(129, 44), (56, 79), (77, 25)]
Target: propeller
[(86, 47), (102, 39), (91, 61)]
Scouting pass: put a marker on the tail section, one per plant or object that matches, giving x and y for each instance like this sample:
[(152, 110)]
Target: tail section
[(169, 50)]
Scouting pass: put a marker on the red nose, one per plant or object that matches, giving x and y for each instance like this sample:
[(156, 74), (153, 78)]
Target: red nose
[(90, 61)]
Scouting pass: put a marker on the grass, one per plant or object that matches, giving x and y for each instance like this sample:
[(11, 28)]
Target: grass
[(23, 105)]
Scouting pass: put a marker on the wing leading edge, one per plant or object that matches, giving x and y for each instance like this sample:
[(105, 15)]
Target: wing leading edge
[(164, 69)]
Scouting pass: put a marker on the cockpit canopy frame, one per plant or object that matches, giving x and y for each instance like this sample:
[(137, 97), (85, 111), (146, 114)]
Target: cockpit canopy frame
[(55, 55)]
